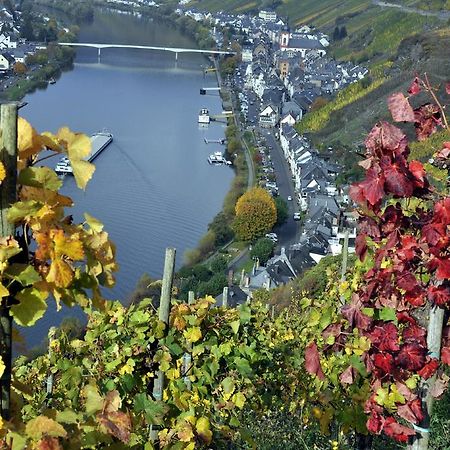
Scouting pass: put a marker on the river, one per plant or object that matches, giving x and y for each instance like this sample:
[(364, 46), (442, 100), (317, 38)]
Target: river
[(152, 187)]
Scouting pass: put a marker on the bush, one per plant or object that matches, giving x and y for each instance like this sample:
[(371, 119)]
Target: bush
[(219, 264), (262, 250)]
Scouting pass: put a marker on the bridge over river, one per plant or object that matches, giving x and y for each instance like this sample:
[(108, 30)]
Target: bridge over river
[(175, 50)]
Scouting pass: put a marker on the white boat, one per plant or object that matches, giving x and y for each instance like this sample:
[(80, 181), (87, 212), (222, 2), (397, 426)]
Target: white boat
[(99, 141), (63, 166), (203, 116), (218, 158)]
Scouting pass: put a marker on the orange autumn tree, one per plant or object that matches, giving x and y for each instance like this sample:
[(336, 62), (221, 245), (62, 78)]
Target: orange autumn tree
[(256, 214)]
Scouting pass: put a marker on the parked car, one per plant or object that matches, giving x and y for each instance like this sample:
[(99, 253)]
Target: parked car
[(297, 216), (272, 236), (289, 198)]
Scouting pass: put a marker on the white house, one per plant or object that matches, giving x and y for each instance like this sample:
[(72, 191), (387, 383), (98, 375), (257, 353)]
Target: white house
[(268, 16), (268, 117), (5, 42), (247, 54), (300, 43), (6, 61)]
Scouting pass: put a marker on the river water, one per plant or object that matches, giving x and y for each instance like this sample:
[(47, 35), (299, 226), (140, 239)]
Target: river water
[(153, 187)]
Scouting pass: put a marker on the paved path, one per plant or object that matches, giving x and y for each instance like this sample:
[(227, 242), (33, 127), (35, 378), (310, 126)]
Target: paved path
[(444, 15)]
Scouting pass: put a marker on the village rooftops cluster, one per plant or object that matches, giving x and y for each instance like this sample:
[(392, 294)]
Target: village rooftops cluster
[(282, 73), (13, 48)]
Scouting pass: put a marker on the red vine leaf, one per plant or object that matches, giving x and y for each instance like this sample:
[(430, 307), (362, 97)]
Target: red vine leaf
[(352, 312), (414, 89), (447, 87), (445, 355), (411, 356), (385, 136), (440, 386), (400, 108), (439, 295), (312, 361), (373, 186), (397, 431), (411, 411), (347, 376), (429, 369), (361, 246), (384, 362), (427, 119), (416, 168), (385, 337), (414, 333), (397, 181), (375, 423), (443, 268)]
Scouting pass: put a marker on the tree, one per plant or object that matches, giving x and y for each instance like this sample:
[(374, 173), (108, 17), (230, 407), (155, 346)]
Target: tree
[(219, 264), (282, 210), (256, 214), (20, 68), (336, 34), (222, 230), (262, 249)]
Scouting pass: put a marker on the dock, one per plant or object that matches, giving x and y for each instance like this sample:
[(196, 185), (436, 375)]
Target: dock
[(204, 90), (215, 141)]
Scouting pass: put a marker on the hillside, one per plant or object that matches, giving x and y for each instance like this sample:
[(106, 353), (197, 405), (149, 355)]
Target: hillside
[(429, 53)]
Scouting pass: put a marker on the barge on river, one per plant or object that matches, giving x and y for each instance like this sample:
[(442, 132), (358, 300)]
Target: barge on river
[(99, 141)]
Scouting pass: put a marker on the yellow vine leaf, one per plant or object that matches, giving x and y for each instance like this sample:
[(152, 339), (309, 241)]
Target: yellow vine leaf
[(203, 429), (44, 426), (82, 171), (60, 273), (79, 147), (185, 434), (193, 334), (238, 399), (65, 246), (28, 141), (2, 172), (94, 223), (3, 291), (8, 248), (2, 366)]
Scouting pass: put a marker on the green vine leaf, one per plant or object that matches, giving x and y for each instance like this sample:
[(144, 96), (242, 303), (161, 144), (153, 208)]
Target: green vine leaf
[(31, 308)]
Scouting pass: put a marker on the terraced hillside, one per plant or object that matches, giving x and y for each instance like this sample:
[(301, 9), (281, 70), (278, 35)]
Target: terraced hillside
[(392, 42), (348, 122)]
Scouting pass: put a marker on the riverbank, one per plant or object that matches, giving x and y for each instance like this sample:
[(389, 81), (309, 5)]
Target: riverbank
[(58, 59)]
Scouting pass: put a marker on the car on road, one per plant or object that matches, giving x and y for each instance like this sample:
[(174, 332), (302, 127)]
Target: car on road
[(289, 198), (297, 216)]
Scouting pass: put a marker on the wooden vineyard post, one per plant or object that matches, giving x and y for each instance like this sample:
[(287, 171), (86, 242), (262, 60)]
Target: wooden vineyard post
[(434, 337), (187, 357), (163, 313), (8, 155), (225, 297)]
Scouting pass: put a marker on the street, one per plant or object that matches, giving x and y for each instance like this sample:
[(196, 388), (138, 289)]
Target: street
[(289, 232)]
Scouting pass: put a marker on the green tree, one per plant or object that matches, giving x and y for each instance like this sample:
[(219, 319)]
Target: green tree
[(282, 210), (262, 249), (219, 264), (222, 230)]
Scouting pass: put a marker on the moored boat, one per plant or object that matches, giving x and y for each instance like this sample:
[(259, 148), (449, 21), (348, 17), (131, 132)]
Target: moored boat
[(203, 116), (99, 141), (218, 158)]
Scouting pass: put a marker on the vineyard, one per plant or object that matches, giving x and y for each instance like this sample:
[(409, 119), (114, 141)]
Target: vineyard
[(366, 356)]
